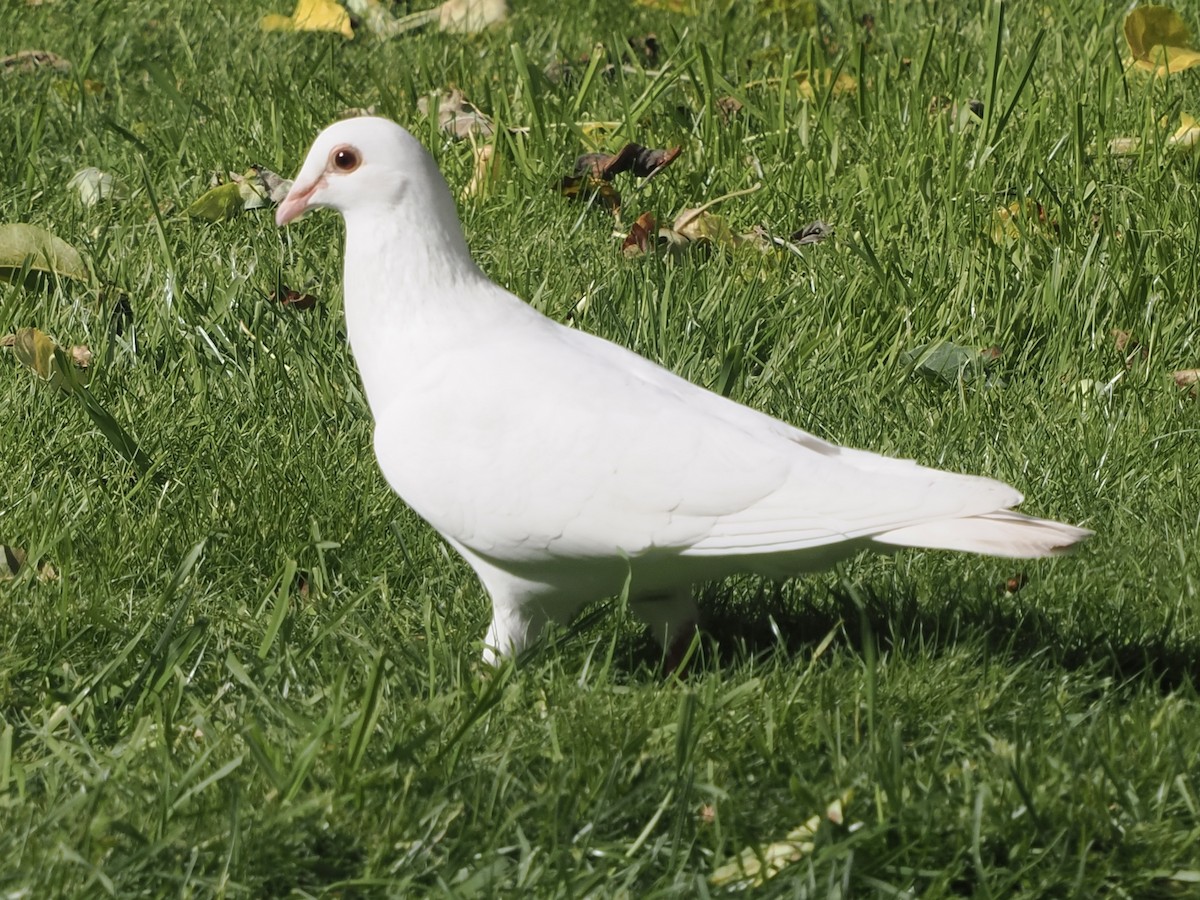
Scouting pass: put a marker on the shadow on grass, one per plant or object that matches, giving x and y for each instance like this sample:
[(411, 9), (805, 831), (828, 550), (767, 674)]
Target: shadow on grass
[(775, 621)]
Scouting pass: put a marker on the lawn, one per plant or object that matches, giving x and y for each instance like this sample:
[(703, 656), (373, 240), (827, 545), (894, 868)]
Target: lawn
[(234, 664)]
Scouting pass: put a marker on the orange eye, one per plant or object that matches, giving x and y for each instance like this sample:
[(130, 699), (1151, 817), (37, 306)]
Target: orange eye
[(345, 159)]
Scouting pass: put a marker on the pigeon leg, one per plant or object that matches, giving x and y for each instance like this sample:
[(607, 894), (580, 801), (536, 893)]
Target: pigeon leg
[(514, 627)]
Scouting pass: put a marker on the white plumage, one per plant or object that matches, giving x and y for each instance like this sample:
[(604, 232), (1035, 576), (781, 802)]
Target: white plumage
[(564, 467)]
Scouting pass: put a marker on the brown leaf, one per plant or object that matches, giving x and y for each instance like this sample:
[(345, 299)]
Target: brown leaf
[(26, 61), (14, 559), (458, 116), (1012, 585), (1188, 380), (642, 235), (812, 233), (728, 107), (645, 50), (642, 161), (294, 299), (590, 188)]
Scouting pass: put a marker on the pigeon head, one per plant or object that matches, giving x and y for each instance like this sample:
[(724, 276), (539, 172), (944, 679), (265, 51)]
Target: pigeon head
[(364, 163)]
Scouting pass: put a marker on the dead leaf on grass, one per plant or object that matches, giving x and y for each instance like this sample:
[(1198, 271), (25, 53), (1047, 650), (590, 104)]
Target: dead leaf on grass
[(1159, 41), (1183, 140), (35, 349), (812, 233), (452, 16), (728, 107), (696, 226), (754, 866), (27, 248), (311, 15), (458, 116), (590, 189), (946, 364), (1187, 380), (1021, 218), (486, 173), (679, 7), (820, 82), (642, 161), (14, 559), (1012, 585), (642, 237), (285, 296), (256, 188), (25, 61), (93, 185)]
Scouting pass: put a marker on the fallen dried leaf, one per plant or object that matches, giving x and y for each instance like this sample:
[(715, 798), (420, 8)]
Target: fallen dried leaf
[(255, 189), (294, 299), (821, 81), (36, 350), (452, 16), (1010, 586), (812, 233), (681, 7), (642, 236), (14, 559), (1021, 219), (642, 161), (591, 189), (754, 866), (1159, 41), (486, 172), (311, 15), (1188, 380), (1185, 139), (457, 115), (26, 61), (946, 364), (728, 107), (29, 248), (93, 185)]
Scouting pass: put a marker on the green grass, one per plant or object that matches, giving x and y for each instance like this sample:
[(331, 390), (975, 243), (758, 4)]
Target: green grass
[(256, 673)]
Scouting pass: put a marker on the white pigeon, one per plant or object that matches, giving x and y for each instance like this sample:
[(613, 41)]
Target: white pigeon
[(566, 469)]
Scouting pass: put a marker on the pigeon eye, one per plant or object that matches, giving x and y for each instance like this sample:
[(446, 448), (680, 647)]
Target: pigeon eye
[(345, 159)]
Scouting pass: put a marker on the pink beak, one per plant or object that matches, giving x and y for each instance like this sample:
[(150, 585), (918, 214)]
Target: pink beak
[(296, 203)]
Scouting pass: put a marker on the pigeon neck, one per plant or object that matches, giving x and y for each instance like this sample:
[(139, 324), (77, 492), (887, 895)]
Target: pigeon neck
[(408, 290)]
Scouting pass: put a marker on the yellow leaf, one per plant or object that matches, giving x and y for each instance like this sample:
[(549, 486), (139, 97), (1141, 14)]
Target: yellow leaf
[(311, 15), (1020, 219), (1159, 41), (1187, 136), (700, 225), (218, 204), (24, 245), (817, 83), (35, 349), (488, 166)]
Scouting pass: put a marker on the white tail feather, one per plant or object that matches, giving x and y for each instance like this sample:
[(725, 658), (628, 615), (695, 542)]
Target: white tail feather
[(1001, 533)]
